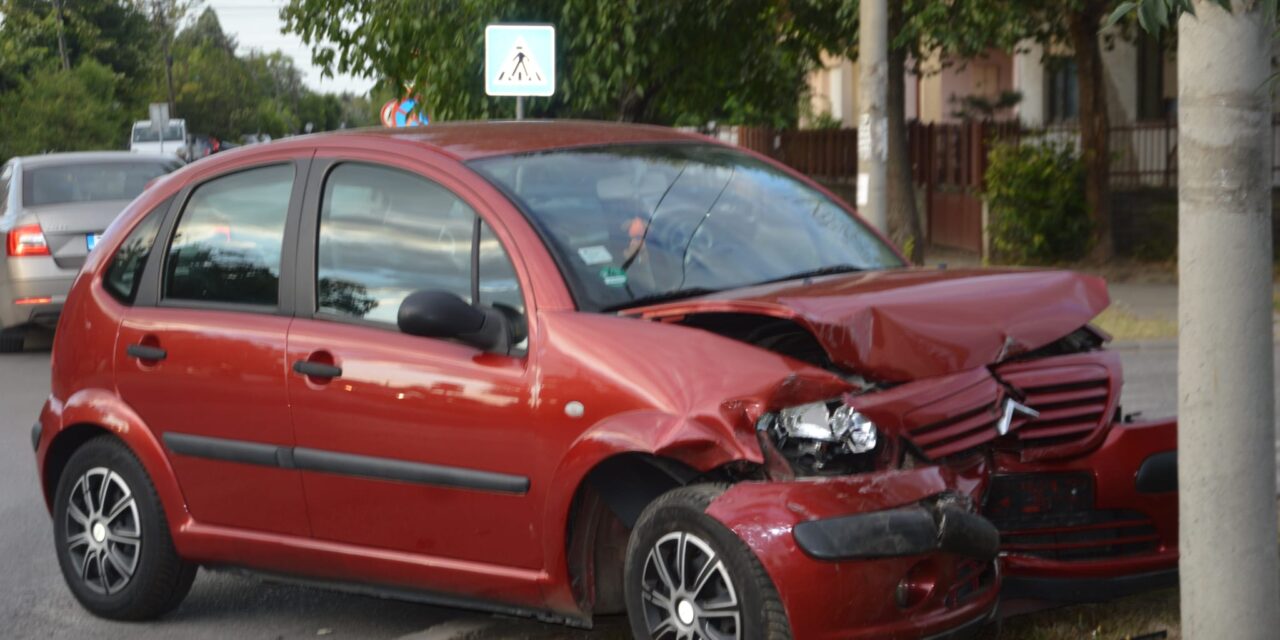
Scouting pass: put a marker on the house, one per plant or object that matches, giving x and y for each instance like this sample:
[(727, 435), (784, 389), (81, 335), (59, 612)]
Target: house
[(1141, 85)]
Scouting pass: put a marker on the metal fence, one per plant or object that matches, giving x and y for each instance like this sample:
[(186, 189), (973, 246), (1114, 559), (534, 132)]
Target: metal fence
[(1143, 155)]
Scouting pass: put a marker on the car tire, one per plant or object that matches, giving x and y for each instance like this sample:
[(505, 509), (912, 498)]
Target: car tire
[(12, 340), (736, 596), (113, 541)]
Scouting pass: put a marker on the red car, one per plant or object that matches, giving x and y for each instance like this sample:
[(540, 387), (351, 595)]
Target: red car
[(566, 369)]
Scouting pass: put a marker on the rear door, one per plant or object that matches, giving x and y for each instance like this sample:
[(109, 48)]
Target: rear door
[(201, 355)]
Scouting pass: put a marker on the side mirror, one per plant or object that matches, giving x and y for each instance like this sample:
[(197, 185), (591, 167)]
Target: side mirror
[(440, 314)]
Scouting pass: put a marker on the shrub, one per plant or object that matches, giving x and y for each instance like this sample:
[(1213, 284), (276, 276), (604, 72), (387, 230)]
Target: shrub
[(1035, 198)]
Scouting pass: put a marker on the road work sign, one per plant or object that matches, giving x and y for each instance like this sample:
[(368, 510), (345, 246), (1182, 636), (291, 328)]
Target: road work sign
[(520, 59)]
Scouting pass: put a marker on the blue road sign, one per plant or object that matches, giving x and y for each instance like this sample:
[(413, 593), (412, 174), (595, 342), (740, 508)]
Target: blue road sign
[(520, 60)]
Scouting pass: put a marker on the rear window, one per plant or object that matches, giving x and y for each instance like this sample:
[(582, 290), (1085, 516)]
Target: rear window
[(90, 181), (144, 133)]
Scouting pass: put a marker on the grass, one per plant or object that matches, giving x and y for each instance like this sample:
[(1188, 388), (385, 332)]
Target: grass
[(1123, 324), (1127, 618)]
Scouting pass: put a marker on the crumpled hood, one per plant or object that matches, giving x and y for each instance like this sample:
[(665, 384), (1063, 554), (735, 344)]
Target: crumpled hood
[(916, 323)]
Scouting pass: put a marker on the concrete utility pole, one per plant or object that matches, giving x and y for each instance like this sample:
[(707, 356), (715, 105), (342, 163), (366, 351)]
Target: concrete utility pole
[(1226, 439), (873, 124)]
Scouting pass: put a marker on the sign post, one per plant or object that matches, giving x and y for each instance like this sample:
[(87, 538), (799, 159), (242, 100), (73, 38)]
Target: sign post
[(520, 61), (159, 112)]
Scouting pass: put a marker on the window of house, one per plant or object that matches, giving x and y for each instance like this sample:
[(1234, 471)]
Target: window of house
[(228, 242), (1064, 89)]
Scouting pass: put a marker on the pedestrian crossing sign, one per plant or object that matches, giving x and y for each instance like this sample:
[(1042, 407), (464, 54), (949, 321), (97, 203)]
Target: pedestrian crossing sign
[(520, 59)]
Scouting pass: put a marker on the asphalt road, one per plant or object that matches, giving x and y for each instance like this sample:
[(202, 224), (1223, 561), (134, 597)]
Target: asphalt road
[(34, 603)]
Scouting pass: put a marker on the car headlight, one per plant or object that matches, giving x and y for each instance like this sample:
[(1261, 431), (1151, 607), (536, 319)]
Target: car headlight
[(844, 426), (823, 437)]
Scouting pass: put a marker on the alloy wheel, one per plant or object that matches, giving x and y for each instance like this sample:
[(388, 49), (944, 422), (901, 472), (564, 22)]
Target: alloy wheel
[(687, 591), (104, 532)]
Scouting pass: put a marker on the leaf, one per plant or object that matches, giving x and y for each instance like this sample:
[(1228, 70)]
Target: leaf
[(1122, 10)]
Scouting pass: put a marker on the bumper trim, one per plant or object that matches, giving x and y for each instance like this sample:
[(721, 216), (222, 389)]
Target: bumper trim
[(1158, 473), (906, 531), (1083, 590)]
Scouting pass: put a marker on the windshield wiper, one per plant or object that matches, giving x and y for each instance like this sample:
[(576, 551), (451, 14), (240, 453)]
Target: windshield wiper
[(665, 296), (813, 273)]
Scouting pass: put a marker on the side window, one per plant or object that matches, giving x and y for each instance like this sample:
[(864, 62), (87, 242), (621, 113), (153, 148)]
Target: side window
[(228, 241), (5, 175), (385, 234), (499, 286), (122, 276)]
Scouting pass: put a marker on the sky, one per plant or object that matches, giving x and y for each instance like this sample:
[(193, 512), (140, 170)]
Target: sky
[(256, 24)]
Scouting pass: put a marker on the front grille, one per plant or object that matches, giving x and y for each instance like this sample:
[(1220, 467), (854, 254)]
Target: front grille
[(957, 423), (1075, 395), (1090, 535), (1051, 516)]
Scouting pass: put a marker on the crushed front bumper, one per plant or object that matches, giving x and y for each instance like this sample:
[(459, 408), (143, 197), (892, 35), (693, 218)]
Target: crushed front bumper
[(892, 554), (1091, 528)]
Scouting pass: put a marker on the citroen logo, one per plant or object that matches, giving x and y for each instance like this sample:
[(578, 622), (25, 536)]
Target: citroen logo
[(1011, 407)]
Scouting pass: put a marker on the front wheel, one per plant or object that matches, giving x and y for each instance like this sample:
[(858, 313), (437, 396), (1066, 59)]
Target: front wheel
[(689, 577), (113, 540)]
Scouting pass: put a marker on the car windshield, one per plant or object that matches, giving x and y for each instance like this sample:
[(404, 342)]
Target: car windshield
[(144, 133), (89, 181), (634, 224)]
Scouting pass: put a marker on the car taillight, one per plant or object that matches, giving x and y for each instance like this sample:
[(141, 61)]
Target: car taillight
[(27, 240)]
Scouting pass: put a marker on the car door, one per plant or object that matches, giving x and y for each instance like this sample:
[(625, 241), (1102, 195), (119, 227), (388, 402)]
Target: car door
[(201, 354), (408, 443)]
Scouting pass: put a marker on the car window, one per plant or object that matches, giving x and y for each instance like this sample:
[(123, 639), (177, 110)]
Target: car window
[(125, 271), (90, 181), (5, 173), (228, 241), (384, 234), (635, 224)]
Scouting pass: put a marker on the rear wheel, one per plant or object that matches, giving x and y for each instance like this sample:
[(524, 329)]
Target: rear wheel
[(12, 340), (689, 577), (113, 540)]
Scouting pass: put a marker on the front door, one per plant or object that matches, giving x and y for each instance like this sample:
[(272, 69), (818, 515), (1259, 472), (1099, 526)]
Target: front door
[(203, 362), (408, 443)]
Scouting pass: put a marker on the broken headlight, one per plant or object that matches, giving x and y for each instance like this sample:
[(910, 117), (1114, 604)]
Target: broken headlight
[(823, 438)]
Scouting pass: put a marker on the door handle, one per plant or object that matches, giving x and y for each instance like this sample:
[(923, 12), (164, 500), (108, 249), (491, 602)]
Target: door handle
[(145, 352), (317, 369)]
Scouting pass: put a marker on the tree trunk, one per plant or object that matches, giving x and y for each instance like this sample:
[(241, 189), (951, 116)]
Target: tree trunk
[(904, 221), (1094, 123)]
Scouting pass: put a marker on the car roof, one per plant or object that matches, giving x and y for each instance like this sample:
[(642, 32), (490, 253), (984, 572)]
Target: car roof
[(471, 140), (79, 157)]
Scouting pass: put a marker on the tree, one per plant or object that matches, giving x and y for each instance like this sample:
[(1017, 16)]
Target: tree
[(669, 63), (63, 110)]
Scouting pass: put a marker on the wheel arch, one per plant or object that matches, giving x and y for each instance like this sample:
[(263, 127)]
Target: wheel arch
[(95, 412)]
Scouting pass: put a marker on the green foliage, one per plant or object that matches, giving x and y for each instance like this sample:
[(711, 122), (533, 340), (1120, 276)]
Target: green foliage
[(115, 53), (1035, 196), (662, 62), (57, 110)]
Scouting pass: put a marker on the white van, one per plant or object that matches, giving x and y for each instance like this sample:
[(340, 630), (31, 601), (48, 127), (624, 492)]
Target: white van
[(148, 140)]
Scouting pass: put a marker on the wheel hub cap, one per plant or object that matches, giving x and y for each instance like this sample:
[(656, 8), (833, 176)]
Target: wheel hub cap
[(684, 611), (103, 531)]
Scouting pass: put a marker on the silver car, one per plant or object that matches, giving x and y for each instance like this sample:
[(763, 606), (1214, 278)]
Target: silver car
[(53, 208)]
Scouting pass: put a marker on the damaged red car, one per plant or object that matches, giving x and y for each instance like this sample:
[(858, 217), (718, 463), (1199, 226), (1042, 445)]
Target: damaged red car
[(565, 369)]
